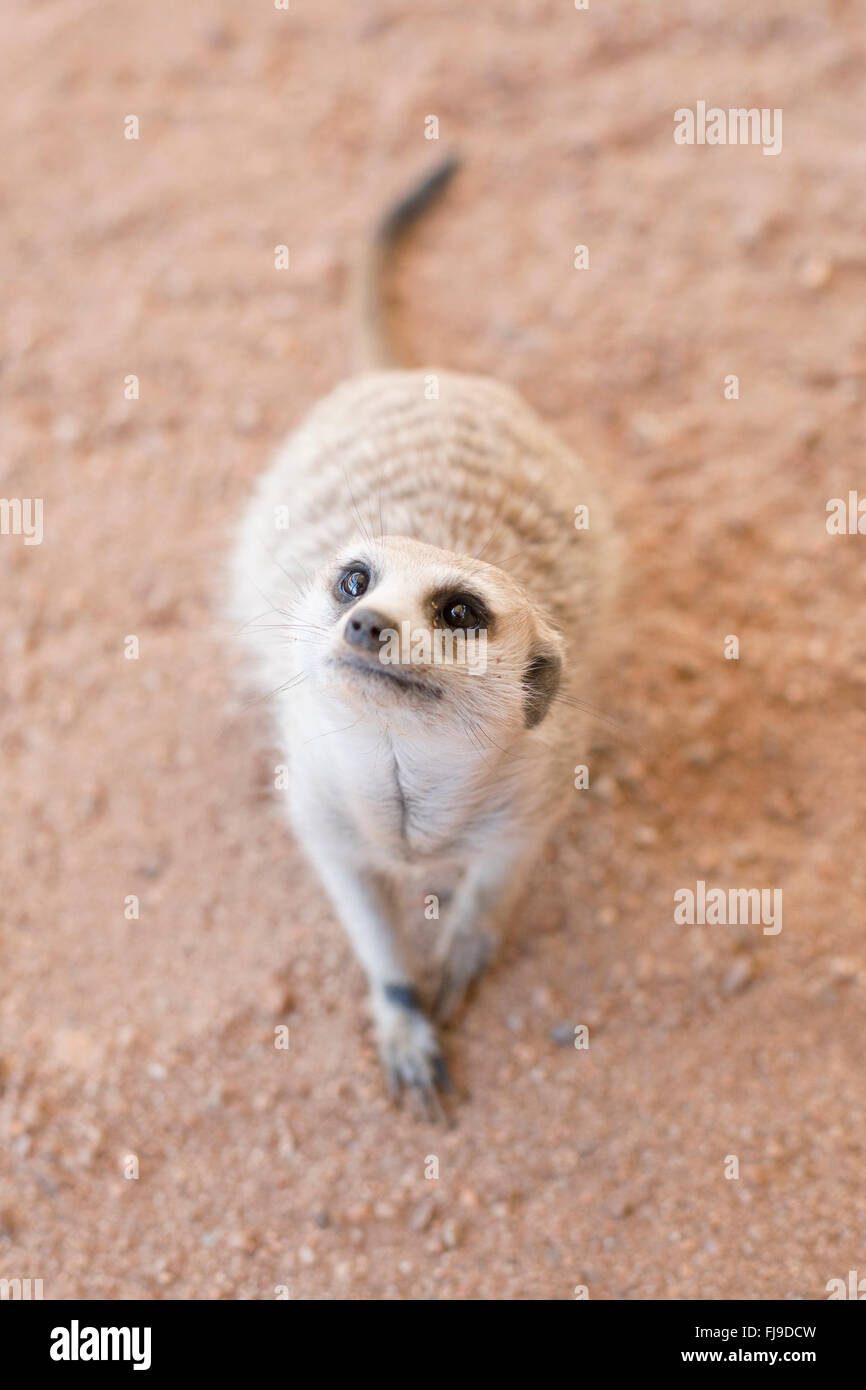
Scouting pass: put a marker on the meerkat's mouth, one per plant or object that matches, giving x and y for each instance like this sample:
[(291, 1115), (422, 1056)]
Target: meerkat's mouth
[(378, 670)]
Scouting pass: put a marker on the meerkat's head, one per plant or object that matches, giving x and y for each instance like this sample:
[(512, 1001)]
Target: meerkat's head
[(420, 633)]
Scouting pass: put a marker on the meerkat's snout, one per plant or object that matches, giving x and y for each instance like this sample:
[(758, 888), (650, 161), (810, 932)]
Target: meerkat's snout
[(365, 628)]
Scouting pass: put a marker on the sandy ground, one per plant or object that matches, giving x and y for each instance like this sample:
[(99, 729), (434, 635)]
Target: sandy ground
[(150, 1041)]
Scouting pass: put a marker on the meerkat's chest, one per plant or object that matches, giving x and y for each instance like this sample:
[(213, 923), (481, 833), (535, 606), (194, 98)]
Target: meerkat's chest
[(403, 803)]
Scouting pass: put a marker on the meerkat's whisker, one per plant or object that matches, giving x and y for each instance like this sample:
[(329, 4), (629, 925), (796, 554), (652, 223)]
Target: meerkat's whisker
[(280, 690), (592, 712)]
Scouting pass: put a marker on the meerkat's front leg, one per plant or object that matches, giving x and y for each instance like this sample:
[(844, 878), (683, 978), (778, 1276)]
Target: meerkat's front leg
[(487, 893), (364, 902)]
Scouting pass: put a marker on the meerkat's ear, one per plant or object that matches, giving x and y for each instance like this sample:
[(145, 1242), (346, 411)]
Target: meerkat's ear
[(541, 678)]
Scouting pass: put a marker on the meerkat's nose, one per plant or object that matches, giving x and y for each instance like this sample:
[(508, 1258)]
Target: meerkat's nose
[(364, 628)]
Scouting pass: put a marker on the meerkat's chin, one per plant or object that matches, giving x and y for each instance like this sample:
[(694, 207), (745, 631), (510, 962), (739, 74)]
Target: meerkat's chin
[(369, 674)]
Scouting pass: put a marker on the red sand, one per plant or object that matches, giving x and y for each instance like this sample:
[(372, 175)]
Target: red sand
[(154, 1037)]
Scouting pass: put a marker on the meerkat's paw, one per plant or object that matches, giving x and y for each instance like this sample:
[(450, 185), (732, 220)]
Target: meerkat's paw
[(409, 1048), (463, 960)]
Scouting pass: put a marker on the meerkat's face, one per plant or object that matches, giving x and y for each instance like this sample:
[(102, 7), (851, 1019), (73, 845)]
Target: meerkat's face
[(410, 630)]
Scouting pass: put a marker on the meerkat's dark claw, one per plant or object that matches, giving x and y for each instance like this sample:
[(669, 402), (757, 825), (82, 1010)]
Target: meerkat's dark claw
[(431, 1103), (425, 1088), (442, 1075)]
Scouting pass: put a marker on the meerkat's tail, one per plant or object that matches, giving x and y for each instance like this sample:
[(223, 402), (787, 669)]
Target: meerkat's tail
[(373, 348)]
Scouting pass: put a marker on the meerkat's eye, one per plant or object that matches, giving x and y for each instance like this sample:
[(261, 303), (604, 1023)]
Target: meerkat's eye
[(459, 611), (353, 583)]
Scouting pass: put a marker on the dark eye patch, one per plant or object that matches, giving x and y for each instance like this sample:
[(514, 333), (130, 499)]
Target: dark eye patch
[(459, 609)]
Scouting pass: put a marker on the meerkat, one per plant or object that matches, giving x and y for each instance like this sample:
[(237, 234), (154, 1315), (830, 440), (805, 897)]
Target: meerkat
[(438, 505)]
